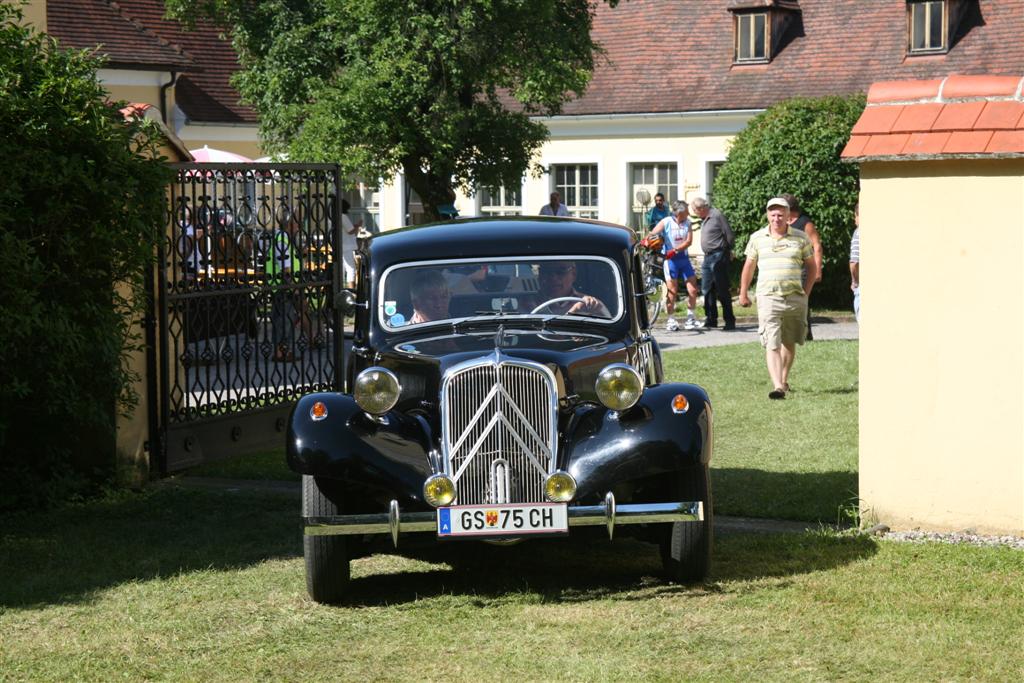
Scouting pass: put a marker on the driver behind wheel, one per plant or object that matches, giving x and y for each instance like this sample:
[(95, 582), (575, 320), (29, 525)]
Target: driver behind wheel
[(557, 280), (430, 297)]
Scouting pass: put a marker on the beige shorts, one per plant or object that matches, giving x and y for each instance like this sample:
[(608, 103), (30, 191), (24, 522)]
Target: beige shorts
[(781, 320)]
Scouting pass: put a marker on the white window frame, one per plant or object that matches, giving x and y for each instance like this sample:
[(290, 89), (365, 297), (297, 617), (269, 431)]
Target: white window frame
[(503, 207), (749, 19), (578, 210), (633, 208), (928, 8)]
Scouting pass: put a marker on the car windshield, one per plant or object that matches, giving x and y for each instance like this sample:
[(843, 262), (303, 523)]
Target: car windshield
[(572, 287)]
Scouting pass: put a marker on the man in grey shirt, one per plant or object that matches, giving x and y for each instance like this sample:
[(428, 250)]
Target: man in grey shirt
[(716, 241)]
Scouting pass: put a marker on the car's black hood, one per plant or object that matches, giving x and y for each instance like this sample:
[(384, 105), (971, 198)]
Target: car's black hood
[(575, 357)]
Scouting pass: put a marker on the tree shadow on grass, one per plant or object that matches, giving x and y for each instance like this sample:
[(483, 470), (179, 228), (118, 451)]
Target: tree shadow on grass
[(809, 496), (69, 555), (581, 570), (66, 555)]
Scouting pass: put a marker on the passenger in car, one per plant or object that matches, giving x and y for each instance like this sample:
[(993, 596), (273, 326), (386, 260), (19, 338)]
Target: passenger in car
[(430, 297), (558, 281)]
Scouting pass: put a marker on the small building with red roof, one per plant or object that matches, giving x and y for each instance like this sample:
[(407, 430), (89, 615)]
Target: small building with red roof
[(942, 323)]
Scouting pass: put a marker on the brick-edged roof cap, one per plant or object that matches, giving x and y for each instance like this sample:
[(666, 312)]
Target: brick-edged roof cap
[(956, 116)]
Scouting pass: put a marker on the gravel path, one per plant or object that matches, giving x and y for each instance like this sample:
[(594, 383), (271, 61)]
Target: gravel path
[(968, 537)]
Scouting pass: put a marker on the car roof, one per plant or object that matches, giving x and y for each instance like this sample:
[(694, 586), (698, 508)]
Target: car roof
[(511, 235)]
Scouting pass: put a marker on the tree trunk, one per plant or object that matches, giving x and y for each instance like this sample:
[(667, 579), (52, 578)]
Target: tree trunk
[(435, 189)]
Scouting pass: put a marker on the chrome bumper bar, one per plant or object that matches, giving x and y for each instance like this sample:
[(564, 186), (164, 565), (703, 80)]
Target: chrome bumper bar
[(608, 514)]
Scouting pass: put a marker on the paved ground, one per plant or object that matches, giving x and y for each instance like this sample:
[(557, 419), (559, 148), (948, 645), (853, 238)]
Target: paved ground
[(746, 331)]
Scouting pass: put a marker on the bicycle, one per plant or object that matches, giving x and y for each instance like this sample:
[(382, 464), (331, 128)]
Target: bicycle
[(654, 276)]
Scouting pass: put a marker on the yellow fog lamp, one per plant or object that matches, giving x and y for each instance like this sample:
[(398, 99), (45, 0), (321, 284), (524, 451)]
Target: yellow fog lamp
[(439, 490), (619, 386), (376, 390), (560, 487)]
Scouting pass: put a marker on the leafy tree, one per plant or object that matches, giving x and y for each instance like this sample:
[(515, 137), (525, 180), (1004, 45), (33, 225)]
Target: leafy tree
[(794, 147), (442, 90), (80, 205)]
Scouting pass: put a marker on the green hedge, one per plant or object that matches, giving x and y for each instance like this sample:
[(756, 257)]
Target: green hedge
[(80, 203), (794, 147)]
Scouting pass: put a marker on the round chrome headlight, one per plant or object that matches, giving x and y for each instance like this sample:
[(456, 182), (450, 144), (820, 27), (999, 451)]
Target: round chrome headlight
[(619, 386), (439, 490), (560, 487), (376, 390)]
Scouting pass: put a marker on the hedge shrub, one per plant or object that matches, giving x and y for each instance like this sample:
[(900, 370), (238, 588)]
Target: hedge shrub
[(794, 147), (80, 203)]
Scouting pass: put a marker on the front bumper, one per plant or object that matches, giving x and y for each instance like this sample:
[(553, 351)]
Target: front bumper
[(609, 514)]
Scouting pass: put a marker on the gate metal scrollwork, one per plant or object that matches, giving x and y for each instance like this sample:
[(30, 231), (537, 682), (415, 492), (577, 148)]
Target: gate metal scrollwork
[(244, 301)]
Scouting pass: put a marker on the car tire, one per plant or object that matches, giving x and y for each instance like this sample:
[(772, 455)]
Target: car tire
[(686, 552), (327, 568)]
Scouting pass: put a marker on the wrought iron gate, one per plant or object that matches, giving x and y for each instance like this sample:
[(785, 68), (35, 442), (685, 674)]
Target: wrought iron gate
[(245, 315)]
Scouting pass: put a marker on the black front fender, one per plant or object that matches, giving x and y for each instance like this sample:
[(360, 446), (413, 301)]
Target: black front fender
[(390, 454), (604, 450)]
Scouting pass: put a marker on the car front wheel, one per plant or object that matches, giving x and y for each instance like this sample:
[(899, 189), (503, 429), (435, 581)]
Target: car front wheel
[(686, 549), (327, 569)]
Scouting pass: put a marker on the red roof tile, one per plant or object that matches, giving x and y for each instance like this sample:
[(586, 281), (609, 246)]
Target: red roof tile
[(877, 120), (1001, 115), (986, 117), (980, 86), (100, 25), (967, 142), (134, 34), (855, 145), (882, 145), (1006, 142), (958, 116), (925, 143), (901, 91), (916, 118)]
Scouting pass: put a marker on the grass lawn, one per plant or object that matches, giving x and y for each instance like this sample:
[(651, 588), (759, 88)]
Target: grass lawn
[(790, 459), (178, 584)]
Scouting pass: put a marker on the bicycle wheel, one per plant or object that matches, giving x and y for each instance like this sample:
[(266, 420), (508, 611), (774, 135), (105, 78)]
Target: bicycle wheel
[(655, 300)]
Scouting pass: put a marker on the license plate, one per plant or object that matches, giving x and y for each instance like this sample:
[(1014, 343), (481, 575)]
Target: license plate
[(503, 520)]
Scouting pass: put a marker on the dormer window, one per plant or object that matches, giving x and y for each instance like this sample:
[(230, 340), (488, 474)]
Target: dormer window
[(761, 28), (752, 37), (928, 23)]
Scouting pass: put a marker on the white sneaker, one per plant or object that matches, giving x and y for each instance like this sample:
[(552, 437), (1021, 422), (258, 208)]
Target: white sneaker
[(671, 325), (692, 324)]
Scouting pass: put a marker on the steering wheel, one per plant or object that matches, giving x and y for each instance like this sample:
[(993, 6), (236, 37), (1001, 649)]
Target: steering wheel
[(556, 300)]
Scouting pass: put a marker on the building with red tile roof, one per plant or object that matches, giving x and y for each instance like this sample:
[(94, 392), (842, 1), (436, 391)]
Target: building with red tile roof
[(184, 73), (677, 79)]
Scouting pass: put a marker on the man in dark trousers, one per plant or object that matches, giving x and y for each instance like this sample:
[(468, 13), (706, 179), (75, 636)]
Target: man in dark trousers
[(716, 241)]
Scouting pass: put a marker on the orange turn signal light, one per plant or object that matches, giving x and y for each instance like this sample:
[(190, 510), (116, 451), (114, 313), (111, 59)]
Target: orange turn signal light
[(680, 404), (318, 411)]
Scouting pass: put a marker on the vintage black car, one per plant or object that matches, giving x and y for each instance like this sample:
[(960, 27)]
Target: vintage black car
[(503, 385)]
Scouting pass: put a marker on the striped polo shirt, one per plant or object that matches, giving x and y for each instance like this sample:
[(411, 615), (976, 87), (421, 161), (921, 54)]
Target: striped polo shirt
[(779, 261)]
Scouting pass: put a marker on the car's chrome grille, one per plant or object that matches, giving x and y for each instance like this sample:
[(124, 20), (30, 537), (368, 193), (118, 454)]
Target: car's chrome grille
[(499, 430)]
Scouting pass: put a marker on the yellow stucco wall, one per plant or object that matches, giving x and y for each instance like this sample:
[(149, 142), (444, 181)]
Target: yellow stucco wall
[(35, 14), (133, 428), (942, 344)]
